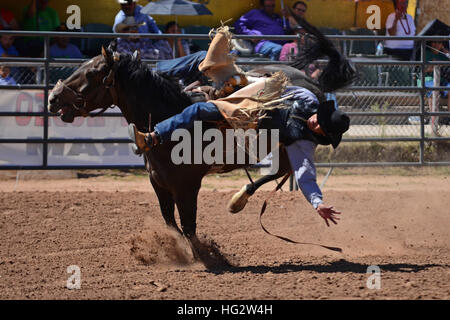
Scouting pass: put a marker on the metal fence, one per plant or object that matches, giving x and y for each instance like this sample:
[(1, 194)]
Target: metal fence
[(387, 104)]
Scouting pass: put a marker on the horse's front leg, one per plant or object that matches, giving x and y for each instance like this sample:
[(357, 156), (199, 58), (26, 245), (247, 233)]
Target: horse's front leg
[(166, 203)]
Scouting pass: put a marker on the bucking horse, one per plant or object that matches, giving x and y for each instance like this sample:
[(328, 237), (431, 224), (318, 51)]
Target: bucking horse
[(123, 80)]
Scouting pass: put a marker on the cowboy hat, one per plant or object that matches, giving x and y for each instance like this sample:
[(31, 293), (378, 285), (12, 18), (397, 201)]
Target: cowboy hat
[(333, 122)]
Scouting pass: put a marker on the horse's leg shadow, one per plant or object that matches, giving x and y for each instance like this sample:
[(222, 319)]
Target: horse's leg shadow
[(207, 252)]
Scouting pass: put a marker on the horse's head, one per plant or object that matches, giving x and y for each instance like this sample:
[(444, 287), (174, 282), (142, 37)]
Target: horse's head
[(91, 87)]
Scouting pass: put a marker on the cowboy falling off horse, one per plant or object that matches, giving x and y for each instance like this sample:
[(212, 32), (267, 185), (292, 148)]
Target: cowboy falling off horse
[(275, 97), (319, 123)]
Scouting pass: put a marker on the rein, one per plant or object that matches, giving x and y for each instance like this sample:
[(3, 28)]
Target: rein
[(263, 209), (108, 82)]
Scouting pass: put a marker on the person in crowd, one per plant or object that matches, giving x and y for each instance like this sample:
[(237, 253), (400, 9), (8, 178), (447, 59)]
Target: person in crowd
[(129, 8), (172, 48), (7, 48), (400, 23), (128, 45), (5, 76), (437, 52), (290, 49), (264, 21), (298, 9), (7, 20), (37, 16), (62, 48)]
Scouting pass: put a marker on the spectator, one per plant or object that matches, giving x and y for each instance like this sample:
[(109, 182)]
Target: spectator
[(437, 52), (129, 45), (5, 78), (290, 50), (263, 21), (62, 48), (37, 16), (130, 8), (7, 48), (168, 46), (7, 20), (400, 23), (299, 9)]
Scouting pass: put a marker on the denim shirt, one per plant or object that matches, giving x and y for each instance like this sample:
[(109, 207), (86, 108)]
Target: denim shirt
[(301, 157)]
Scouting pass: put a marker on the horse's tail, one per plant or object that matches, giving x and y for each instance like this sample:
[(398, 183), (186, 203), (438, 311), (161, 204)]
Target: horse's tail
[(338, 73)]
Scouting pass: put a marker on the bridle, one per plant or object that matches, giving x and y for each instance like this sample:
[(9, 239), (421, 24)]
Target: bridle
[(108, 83)]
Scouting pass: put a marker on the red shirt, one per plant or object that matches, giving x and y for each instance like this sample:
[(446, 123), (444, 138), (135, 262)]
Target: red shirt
[(6, 17)]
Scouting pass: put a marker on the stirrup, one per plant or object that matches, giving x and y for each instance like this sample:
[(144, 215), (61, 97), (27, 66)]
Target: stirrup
[(141, 143)]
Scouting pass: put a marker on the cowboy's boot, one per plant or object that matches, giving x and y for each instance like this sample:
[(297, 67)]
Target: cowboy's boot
[(141, 140)]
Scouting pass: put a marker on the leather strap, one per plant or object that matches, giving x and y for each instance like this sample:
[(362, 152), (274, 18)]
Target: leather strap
[(263, 209)]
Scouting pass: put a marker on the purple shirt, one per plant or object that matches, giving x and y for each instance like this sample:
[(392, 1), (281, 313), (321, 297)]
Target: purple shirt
[(258, 22)]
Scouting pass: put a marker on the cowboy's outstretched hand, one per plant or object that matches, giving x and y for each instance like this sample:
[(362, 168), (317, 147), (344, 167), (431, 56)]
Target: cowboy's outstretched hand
[(327, 213)]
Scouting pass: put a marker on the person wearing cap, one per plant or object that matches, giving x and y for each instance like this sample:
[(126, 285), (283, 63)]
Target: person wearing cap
[(263, 21), (129, 8), (128, 45)]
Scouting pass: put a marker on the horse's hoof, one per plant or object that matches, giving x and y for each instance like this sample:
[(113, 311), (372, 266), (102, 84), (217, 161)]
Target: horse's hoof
[(239, 200)]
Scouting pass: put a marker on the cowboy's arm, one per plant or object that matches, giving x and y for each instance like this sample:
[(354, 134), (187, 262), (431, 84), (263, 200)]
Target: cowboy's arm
[(301, 156)]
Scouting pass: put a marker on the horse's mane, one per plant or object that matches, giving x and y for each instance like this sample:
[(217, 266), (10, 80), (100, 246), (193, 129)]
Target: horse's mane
[(148, 92)]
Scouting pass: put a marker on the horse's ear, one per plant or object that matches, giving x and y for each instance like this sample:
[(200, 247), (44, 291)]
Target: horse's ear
[(137, 55), (105, 52)]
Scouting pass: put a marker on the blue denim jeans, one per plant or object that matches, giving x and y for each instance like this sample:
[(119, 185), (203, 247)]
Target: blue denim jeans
[(271, 50), (185, 68), (200, 111), (332, 96)]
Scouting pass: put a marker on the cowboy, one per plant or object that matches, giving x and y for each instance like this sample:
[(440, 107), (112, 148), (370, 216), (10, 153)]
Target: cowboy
[(303, 124)]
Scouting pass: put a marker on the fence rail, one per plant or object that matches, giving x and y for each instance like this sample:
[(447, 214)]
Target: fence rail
[(383, 86)]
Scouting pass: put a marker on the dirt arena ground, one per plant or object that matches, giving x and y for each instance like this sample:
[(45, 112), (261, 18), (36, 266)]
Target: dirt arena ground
[(111, 228)]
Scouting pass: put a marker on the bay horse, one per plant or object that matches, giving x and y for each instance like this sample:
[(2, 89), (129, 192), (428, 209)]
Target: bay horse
[(125, 81)]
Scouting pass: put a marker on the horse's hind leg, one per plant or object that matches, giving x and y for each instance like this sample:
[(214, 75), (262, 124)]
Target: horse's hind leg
[(166, 203)]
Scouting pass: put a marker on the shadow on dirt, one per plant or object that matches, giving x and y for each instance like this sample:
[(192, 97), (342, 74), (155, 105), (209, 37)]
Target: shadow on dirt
[(340, 266)]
